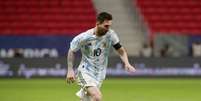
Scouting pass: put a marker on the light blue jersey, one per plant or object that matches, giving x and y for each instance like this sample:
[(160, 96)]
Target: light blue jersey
[(95, 51)]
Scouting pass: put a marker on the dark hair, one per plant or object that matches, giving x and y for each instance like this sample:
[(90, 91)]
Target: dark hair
[(103, 16)]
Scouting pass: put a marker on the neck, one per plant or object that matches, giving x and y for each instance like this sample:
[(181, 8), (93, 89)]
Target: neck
[(96, 32)]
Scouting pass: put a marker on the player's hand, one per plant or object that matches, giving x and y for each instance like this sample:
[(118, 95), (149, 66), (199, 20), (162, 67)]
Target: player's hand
[(70, 77), (130, 68)]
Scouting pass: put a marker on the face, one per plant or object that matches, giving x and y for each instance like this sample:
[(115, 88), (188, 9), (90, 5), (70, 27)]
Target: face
[(102, 28)]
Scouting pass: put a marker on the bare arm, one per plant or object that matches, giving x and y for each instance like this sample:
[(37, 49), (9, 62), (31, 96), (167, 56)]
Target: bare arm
[(70, 77), (124, 57), (70, 59)]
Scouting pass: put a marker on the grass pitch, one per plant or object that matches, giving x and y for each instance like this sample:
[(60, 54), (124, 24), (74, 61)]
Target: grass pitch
[(113, 90)]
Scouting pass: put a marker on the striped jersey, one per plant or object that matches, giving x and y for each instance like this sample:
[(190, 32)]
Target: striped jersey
[(95, 50)]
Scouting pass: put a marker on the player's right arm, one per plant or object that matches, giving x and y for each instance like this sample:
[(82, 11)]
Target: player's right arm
[(70, 77), (74, 47)]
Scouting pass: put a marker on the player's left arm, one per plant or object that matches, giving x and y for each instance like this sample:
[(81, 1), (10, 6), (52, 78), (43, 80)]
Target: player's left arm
[(124, 57)]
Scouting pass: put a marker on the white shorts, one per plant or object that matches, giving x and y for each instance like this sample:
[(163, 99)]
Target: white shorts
[(86, 79)]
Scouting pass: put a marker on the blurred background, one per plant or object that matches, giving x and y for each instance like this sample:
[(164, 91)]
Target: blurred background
[(162, 38)]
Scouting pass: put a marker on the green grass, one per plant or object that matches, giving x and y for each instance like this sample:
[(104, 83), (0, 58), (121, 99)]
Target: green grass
[(113, 90)]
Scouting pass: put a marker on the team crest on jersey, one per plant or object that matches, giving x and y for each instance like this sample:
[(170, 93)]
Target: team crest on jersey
[(87, 46), (93, 42)]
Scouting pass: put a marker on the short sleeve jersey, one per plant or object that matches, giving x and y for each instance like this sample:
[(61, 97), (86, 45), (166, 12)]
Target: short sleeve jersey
[(95, 50)]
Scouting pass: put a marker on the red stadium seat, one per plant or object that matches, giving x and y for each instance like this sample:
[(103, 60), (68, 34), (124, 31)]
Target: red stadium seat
[(162, 16), (46, 17)]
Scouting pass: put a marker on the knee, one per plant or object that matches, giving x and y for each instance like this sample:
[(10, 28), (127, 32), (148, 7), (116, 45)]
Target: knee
[(97, 97)]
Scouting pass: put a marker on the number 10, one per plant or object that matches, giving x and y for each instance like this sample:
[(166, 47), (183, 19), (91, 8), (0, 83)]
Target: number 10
[(97, 52)]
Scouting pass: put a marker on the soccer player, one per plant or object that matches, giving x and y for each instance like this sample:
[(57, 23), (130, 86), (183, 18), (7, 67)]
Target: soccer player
[(95, 46)]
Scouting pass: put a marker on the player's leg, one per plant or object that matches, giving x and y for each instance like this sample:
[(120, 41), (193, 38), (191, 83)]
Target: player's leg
[(94, 93), (90, 87), (86, 97), (83, 80)]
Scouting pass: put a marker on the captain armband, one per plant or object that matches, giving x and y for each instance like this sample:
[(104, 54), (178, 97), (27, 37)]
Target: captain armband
[(117, 46)]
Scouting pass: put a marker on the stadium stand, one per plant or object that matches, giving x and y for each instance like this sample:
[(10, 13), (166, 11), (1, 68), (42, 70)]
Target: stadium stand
[(172, 16), (127, 23), (43, 23), (166, 19), (51, 17)]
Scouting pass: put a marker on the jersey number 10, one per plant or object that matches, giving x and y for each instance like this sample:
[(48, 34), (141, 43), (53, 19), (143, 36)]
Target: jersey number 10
[(97, 52)]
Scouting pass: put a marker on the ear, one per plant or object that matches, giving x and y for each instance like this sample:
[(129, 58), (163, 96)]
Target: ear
[(97, 23)]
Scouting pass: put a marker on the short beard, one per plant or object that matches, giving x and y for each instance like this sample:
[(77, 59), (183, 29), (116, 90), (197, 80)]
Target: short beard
[(101, 32)]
